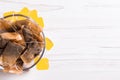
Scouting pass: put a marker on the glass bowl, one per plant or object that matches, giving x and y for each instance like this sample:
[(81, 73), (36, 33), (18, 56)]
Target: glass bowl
[(32, 64)]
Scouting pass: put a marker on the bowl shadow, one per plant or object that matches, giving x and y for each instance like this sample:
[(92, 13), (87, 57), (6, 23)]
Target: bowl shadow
[(10, 76)]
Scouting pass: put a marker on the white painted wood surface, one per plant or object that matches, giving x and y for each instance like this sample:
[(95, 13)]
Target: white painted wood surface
[(86, 34)]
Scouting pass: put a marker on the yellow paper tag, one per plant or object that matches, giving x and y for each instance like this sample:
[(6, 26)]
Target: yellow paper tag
[(43, 64), (49, 43)]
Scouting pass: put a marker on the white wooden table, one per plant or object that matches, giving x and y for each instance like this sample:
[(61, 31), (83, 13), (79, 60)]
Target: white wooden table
[(86, 34)]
